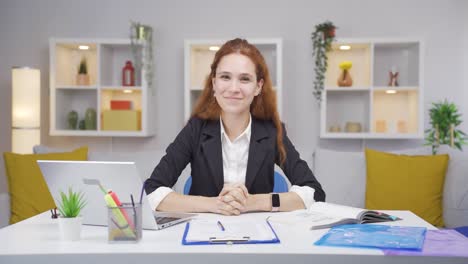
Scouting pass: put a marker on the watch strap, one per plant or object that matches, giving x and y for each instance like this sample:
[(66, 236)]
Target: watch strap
[(275, 202)]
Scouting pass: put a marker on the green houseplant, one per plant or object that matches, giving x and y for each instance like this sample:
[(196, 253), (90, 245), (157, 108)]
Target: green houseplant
[(82, 78), (70, 220), (444, 122), (322, 38)]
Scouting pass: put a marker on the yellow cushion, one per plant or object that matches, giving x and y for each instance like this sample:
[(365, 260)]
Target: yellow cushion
[(29, 194), (401, 182)]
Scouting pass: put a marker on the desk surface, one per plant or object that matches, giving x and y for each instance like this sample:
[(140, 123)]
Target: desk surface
[(38, 240)]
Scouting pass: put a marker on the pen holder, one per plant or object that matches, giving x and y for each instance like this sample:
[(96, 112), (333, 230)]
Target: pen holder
[(124, 223)]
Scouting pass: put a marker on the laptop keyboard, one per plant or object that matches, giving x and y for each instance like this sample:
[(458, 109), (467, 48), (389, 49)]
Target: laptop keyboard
[(163, 220)]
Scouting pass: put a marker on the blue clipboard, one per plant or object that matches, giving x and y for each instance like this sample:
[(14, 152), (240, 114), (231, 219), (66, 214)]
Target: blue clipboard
[(230, 240)]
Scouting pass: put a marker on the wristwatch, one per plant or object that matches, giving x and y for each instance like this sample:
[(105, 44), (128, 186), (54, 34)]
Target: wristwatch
[(275, 202)]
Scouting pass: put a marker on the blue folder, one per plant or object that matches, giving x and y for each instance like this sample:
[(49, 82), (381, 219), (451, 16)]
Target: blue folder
[(374, 236), (237, 239)]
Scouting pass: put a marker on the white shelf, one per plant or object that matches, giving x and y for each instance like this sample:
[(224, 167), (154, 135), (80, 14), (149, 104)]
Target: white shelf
[(198, 58), (76, 87), (383, 111), (89, 133), (396, 88), (105, 59), (121, 88), (371, 135), (348, 89)]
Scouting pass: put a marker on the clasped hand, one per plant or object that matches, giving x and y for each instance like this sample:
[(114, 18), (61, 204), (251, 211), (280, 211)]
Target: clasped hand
[(232, 199)]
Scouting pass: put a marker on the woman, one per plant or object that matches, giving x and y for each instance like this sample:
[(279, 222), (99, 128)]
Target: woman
[(232, 142)]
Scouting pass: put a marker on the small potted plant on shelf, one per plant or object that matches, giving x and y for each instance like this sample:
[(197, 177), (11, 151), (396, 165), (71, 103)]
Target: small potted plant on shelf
[(444, 122), (82, 78), (70, 220), (322, 38)]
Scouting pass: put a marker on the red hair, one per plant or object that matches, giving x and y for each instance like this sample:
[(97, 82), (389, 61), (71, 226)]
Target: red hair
[(263, 105)]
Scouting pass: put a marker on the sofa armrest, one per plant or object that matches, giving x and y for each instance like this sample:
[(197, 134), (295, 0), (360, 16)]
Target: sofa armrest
[(455, 197), (4, 209)]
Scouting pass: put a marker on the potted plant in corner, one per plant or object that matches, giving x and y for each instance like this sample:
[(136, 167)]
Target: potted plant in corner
[(82, 78), (322, 38), (70, 220), (444, 122)]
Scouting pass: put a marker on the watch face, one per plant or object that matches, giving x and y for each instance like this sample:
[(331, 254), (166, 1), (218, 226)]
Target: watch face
[(275, 200)]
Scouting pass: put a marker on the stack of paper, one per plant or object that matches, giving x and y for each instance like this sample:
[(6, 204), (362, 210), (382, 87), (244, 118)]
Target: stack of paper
[(202, 231)]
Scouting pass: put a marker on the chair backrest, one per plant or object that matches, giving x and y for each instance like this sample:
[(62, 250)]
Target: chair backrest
[(279, 186)]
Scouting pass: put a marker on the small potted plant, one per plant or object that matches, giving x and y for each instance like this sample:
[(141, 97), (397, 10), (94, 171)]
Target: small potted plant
[(70, 220), (444, 122), (82, 78)]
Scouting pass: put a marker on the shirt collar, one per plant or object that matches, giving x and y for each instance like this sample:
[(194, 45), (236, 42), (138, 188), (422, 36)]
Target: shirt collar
[(246, 133)]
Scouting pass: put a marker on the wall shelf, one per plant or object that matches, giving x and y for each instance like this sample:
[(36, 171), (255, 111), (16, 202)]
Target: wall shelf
[(383, 111), (105, 60)]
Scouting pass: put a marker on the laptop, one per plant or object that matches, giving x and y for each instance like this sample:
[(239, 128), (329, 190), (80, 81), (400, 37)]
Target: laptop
[(121, 177)]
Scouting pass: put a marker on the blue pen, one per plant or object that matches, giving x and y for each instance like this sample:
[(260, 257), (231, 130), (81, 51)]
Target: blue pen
[(221, 226)]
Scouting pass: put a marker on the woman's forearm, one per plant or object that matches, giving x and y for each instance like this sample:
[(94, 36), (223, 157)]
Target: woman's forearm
[(262, 202), (175, 202)]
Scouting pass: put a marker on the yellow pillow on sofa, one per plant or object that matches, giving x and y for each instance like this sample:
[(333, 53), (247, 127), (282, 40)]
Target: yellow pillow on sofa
[(401, 182), (29, 194)]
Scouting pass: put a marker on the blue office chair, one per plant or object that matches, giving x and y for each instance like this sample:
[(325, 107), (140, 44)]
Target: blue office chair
[(280, 184)]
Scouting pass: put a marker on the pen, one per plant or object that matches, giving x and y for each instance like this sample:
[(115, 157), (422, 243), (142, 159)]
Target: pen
[(221, 226), (134, 211)]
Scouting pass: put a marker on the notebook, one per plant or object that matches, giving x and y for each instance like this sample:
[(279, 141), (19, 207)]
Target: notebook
[(121, 177)]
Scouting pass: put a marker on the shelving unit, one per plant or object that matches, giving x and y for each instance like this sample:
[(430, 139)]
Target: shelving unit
[(105, 60), (198, 58), (381, 111)]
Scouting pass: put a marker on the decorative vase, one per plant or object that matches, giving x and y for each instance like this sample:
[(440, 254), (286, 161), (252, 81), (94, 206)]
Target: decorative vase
[(82, 79), (90, 119), (70, 227), (128, 74), (345, 80), (81, 124), (72, 119), (353, 127)]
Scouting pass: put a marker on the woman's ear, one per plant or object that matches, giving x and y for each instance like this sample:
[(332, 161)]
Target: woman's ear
[(259, 87)]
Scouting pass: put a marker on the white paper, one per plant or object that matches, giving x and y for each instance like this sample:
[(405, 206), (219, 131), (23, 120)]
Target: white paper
[(204, 230)]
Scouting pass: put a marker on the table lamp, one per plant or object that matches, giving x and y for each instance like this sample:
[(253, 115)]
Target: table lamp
[(26, 109)]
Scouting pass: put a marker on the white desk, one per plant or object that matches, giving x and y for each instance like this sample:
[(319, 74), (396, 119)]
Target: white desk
[(37, 240)]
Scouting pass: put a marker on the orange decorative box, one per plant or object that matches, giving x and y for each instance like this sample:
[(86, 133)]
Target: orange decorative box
[(121, 120), (120, 105)]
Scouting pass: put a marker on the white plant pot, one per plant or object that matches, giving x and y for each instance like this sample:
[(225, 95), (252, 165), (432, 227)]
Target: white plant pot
[(70, 228)]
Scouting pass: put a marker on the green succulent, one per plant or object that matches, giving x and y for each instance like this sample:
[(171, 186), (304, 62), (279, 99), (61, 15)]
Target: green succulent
[(71, 204), (445, 119), (83, 69)]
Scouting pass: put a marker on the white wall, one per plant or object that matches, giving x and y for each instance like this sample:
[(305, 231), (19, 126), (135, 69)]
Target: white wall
[(464, 101), (26, 26)]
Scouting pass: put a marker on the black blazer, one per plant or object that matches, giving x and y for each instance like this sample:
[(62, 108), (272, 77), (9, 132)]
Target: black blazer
[(199, 143)]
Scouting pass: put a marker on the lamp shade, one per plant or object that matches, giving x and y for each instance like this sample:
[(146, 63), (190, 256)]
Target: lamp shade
[(26, 108)]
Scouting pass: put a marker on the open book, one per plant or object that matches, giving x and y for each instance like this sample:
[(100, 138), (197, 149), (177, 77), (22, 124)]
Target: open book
[(325, 215)]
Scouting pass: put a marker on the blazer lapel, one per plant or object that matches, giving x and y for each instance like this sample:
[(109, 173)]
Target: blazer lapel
[(211, 149), (257, 151)]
